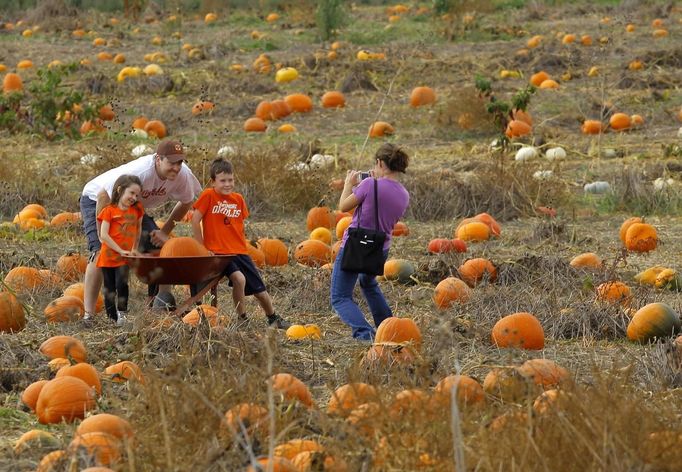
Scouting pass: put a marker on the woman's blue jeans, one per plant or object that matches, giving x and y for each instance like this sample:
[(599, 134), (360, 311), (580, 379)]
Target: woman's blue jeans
[(342, 286)]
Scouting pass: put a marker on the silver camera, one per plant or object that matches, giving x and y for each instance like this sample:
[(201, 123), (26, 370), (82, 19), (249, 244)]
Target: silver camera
[(365, 175)]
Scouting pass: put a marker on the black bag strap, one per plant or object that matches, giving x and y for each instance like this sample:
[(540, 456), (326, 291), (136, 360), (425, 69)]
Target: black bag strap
[(376, 207)]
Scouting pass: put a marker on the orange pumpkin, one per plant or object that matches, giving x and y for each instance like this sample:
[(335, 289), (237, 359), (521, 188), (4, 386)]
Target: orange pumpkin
[(71, 266), (474, 231), (52, 461), (256, 255), (620, 121), (140, 122), (106, 423), (64, 399), (29, 396), (449, 291), (102, 448), (63, 309), (255, 125), (342, 225), (349, 396), (23, 279), (507, 384), (78, 289), (547, 401), (333, 100), (517, 128), (64, 218), (313, 253), (12, 83), (183, 246), (124, 371), (280, 109), (538, 78), (379, 129), (202, 106), (614, 292), (248, 417), (400, 229), (39, 209), (626, 224), (469, 392), (521, 330), (84, 371), (401, 270), (399, 330), (33, 438), (292, 388), (193, 318), (389, 355), (592, 127), (299, 102), (641, 237), (12, 316), (543, 372), (653, 321), (320, 217), (410, 402), (275, 251), (155, 128), (309, 460), (321, 234), (476, 270), (587, 260), (264, 111), (421, 96), (64, 346), (106, 113), (491, 222), (293, 447), (522, 115), (276, 464)]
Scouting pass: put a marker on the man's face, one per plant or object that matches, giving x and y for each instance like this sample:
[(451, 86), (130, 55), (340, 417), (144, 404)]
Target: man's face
[(224, 183), (167, 169)]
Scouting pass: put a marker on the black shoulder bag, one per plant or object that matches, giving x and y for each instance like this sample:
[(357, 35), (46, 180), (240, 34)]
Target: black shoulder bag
[(364, 248)]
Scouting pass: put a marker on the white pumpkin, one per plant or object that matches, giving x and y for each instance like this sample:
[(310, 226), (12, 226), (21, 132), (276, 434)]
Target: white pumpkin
[(555, 154), (87, 159), (320, 161), (662, 184), (139, 133), (609, 153), (141, 150), (598, 187), (226, 151), (526, 153), (543, 174)]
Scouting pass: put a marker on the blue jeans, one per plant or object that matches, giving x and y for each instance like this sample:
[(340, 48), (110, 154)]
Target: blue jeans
[(342, 286)]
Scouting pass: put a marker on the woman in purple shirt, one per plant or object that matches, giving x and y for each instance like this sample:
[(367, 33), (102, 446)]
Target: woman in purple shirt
[(390, 162)]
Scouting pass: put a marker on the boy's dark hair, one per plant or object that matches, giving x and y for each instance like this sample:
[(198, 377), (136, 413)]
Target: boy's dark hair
[(393, 156), (221, 166), (121, 184)]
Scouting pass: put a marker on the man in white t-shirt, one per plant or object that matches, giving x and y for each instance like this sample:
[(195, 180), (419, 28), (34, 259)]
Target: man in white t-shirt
[(165, 177)]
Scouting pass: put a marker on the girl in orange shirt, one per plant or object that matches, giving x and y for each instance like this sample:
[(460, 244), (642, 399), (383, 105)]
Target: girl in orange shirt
[(120, 234)]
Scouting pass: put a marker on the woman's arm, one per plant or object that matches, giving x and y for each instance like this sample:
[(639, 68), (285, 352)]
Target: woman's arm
[(348, 201), (106, 239)]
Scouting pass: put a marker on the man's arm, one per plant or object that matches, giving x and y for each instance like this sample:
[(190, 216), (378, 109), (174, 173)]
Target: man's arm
[(179, 210), (102, 201)]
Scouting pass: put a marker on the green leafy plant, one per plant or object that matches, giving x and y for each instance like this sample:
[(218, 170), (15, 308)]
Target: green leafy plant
[(502, 111), (330, 16)]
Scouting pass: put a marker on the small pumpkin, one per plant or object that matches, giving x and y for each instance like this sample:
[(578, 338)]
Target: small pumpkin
[(293, 447), (194, 317), (650, 275), (592, 127), (275, 251), (183, 246), (544, 372), (620, 121), (626, 225), (35, 439), (400, 270), (421, 96), (507, 384), (292, 388), (106, 423), (379, 129), (256, 255), (286, 74), (469, 392), (586, 260), (64, 218), (333, 99), (521, 330), (12, 315), (548, 401), (313, 252), (641, 237), (201, 107), (653, 321), (399, 330), (64, 346), (341, 226), (255, 125), (12, 83), (78, 290), (449, 291), (299, 102), (320, 217), (52, 461), (64, 399), (248, 417), (538, 78), (614, 292), (349, 396), (64, 309), (517, 129), (84, 371), (474, 231), (389, 355), (321, 234), (410, 402), (476, 270), (124, 371), (100, 447), (156, 128)]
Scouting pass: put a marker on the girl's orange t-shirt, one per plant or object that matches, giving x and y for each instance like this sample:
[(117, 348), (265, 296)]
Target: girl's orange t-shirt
[(223, 221), (123, 226)]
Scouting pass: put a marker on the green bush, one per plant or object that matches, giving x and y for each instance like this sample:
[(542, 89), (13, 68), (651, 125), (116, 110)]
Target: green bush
[(330, 16)]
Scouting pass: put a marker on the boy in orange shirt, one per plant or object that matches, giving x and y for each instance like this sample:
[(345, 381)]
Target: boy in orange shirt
[(221, 212)]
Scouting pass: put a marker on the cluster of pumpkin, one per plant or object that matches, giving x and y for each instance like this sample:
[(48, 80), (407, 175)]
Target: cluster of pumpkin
[(617, 122), (144, 127), (34, 216), (68, 397)]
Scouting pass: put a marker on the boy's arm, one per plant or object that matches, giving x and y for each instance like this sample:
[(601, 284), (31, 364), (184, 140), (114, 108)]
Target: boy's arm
[(106, 239), (196, 225)]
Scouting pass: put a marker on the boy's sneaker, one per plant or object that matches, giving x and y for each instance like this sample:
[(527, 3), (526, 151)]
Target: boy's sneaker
[(121, 318), (88, 319), (164, 301), (276, 321)]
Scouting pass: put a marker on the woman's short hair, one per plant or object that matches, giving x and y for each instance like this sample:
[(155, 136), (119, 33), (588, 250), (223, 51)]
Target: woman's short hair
[(393, 156)]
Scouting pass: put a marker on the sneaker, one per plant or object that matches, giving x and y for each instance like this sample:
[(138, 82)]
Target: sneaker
[(164, 301), (241, 321), (88, 319), (276, 321), (121, 318)]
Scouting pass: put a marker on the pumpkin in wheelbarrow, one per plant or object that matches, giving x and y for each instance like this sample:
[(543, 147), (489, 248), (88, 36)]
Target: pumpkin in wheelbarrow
[(183, 247)]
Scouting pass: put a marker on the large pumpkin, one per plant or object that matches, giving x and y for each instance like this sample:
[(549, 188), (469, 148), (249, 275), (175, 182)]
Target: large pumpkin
[(64, 346), (473, 231), (71, 266), (349, 396), (389, 355), (183, 246), (99, 447), (449, 291), (522, 330), (12, 316), (106, 423), (507, 384), (292, 388), (275, 251), (626, 224), (652, 321), (401, 270), (320, 217), (614, 292), (313, 252), (476, 270), (78, 290), (64, 399), (68, 308), (256, 255), (23, 279), (641, 237), (84, 371), (193, 318), (12, 83), (399, 330), (421, 96), (299, 102)]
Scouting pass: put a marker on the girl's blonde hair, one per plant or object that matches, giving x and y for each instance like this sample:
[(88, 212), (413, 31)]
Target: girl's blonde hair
[(121, 184)]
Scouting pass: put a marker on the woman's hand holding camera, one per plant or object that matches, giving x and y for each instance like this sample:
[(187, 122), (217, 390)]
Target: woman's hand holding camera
[(354, 177)]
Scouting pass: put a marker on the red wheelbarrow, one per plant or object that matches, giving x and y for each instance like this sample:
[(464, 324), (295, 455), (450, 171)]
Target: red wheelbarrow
[(152, 269)]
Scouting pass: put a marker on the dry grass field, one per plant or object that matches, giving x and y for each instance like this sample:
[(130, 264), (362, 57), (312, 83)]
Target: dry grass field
[(618, 405)]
